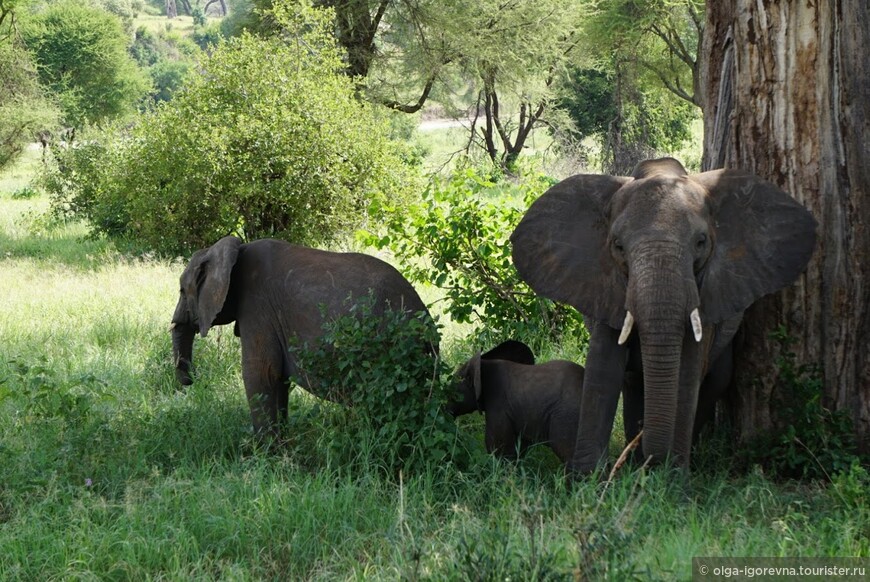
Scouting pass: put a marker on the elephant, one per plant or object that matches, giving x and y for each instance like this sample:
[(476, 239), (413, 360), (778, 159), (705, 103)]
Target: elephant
[(662, 265), (277, 292), (522, 401)]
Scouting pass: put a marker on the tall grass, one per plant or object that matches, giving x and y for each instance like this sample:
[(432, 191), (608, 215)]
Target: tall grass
[(109, 470)]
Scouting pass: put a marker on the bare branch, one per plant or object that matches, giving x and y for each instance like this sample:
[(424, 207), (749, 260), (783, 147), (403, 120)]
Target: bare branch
[(674, 43), (676, 89), (420, 102)]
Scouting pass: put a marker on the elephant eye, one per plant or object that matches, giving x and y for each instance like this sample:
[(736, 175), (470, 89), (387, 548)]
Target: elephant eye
[(617, 245), (702, 241)]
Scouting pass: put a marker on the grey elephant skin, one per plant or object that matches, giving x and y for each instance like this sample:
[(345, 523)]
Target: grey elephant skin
[(524, 403), (275, 291), (662, 265)]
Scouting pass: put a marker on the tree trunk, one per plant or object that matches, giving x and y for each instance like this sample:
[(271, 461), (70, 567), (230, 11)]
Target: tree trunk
[(171, 10), (787, 96)]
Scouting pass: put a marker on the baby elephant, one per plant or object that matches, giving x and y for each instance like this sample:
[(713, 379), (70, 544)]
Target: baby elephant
[(532, 403)]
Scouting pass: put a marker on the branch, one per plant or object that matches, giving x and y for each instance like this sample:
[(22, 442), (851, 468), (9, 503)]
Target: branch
[(420, 102), (675, 89), (376, 22), (674, 44), (696, 18)]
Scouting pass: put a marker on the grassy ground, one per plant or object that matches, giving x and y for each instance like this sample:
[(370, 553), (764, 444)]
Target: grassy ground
[(109, 471)]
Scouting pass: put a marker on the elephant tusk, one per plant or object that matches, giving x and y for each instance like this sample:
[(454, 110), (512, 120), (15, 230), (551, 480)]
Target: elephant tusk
[(696, 324), (626, 328), (172, 326)]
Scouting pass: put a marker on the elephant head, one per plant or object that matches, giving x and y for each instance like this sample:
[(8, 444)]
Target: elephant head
[(205, 284), (469, 388), (667, 256)]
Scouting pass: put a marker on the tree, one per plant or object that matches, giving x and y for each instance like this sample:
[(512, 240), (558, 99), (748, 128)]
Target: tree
[(266, 140), (787, 93), (662, 37), (649, 51), (505, 55), (24, 109), (82, 58)]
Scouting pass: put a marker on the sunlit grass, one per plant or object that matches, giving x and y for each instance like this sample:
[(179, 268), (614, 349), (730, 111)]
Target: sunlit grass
[(159, 23)]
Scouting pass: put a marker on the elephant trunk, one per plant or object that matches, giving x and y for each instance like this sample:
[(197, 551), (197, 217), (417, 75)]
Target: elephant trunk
[(661, 371), (661, 300), (182, 344)]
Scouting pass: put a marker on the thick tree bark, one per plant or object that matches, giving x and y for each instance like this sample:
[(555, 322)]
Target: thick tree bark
[(171, 9), (787, 95)]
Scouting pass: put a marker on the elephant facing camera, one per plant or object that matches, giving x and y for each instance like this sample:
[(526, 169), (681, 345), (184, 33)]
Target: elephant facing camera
[(662, 264)]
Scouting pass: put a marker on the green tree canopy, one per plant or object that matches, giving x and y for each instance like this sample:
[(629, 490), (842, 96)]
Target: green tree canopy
[(82, 58), (24, 108), (268, 140)]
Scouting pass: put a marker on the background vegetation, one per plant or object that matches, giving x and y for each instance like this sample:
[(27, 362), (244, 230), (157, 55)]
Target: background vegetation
[(109, 470)]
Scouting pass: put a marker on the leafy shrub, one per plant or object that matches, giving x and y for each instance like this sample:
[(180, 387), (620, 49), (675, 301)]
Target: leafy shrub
[(81, 51), (383, 369), (815, 442), (25, 193), (42, 394), (268, 140), (168, 76), (457, 239)]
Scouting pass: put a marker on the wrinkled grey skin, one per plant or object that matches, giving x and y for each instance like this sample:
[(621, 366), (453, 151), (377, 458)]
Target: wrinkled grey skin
[(524, 403), (659, 244), (274, 291)]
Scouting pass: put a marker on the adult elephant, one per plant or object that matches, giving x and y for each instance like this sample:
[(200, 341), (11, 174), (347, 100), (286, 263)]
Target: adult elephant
[(674, 258), (276, 292)]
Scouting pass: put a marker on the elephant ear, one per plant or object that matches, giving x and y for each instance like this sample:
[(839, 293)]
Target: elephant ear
[(763, 240), (513, 351), (475, 379), (206, 280), (560, 247)]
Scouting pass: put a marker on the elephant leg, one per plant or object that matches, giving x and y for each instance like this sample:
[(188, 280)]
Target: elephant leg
[(283, 400), (605, 369), (632, 409), (265, 384), (500, 438), (563, 434), (713, 388)]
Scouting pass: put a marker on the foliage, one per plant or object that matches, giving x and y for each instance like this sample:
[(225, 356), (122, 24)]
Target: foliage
[(638, 100), (813, 441), (82, 58), (649, 120), (587, 96), (657, 38), (166, 58), (24, 108), (207, 36), (497, 59), (268, 140), (503, 58), (384, 368), (456, 238)]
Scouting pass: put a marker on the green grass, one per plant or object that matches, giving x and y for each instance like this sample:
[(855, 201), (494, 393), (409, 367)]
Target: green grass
[(158, 23), (108, 470)]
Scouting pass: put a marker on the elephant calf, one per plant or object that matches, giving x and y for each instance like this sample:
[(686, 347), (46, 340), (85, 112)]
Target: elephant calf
[(274, 292), (522, 401)]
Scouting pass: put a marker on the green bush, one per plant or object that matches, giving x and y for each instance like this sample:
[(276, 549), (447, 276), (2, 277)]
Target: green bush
[(268, 140), (82, 57), (457, 239), (393, 387), (814, 442)]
